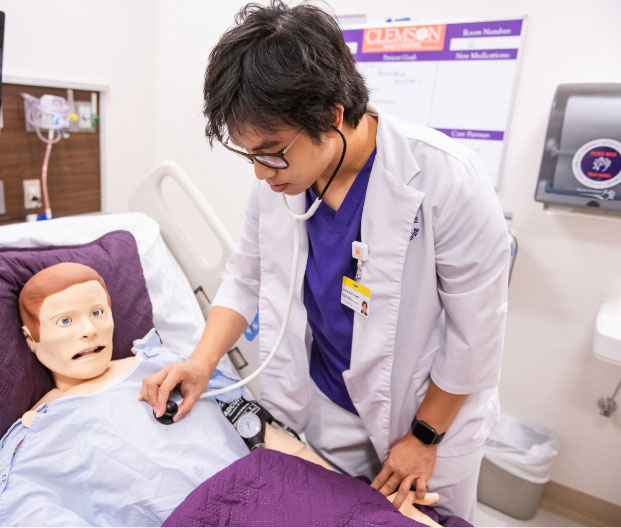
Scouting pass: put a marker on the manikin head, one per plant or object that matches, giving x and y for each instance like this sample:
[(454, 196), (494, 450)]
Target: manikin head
[(67, 321)]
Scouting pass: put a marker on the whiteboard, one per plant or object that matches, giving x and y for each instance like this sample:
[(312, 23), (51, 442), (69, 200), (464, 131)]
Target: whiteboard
[(458, 78)]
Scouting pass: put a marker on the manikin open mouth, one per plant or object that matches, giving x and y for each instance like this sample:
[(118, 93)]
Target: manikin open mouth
[(88, 353)]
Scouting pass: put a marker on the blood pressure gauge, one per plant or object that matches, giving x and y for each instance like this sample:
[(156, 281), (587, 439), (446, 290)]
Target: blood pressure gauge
[(251, 429), (248, 425)]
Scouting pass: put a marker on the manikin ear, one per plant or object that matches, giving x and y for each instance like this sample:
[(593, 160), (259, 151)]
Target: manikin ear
[(29, 340)]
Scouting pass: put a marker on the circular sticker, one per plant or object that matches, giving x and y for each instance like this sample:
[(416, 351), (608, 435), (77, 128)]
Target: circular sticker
[(597, 164)]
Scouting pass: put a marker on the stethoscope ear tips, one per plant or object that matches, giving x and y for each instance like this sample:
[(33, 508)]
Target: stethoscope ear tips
[(169, 413)]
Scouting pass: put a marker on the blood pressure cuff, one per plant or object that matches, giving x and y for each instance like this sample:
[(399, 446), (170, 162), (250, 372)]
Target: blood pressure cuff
[(237, 408)]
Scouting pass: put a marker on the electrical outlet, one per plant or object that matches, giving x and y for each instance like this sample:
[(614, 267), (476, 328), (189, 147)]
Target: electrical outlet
[(32, 194), (85, 117), (2, 202)]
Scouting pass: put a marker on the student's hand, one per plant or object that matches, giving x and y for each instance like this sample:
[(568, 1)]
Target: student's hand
[(192, 374), (410, 461)]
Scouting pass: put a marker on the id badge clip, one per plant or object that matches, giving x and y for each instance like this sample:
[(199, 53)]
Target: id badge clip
[(359, 251), (353, 294)]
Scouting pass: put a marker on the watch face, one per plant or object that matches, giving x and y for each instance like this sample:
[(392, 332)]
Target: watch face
[(424, 433), (248, 425)]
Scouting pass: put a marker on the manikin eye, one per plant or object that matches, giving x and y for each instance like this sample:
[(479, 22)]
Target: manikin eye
[(64, 321), (97, 313)]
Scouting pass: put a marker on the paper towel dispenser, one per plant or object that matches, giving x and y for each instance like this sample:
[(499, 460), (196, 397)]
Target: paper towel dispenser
[(581, 164)]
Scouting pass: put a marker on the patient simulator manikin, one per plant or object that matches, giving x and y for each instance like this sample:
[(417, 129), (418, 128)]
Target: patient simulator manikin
[(68, 325)]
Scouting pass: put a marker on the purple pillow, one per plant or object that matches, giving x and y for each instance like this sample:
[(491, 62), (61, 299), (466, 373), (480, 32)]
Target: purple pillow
[(23, 380)]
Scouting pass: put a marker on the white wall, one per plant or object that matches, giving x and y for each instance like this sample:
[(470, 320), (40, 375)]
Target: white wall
[(567, 263), (107, 42), (186, 32)]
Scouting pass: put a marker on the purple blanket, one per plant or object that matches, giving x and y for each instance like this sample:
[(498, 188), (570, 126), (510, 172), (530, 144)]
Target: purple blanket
[(269, 488)]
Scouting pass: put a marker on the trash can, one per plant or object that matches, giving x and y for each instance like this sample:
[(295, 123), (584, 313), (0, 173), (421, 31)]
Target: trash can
[(517, 463)]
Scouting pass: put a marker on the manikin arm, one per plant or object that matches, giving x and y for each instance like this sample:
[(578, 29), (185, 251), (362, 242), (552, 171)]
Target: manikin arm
[(279, 441)]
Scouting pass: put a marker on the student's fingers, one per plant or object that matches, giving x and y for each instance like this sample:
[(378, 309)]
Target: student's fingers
[(186, 406), (404, 491), (169, 383), (391, 485), (381, 478), (150, 387), (421, 488)]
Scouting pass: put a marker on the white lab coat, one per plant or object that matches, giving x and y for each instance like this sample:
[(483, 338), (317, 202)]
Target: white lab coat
[(437, 270)]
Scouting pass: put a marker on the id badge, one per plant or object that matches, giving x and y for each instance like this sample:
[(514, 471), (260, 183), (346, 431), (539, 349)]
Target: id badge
[(356, 296)]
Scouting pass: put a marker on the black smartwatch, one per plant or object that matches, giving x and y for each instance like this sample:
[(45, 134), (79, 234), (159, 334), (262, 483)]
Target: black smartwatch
[(249, 419), (425, 433)]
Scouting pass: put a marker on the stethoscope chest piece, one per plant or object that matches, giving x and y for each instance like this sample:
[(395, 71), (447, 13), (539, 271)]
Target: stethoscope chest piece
[(172, 407)]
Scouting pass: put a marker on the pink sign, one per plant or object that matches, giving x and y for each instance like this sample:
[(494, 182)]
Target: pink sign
[(404, 38)]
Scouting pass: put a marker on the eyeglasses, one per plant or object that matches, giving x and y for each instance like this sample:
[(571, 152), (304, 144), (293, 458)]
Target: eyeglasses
[(273, 160)]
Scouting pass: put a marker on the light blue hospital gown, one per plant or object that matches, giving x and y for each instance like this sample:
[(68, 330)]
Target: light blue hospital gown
[(102, 459)]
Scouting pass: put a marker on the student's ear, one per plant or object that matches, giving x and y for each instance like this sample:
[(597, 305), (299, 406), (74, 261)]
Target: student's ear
[(339, 111), (29, 340)]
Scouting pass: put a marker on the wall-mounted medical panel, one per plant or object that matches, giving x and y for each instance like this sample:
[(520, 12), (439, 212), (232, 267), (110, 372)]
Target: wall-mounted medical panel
[(74, 167), (581, 163)]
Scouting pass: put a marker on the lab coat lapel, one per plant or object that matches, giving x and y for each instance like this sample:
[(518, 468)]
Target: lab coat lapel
[(387, 223), (297, 204), (285, 385)]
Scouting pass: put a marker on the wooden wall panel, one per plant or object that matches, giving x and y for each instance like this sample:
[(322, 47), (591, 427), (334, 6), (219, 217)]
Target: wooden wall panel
[(74, 177)]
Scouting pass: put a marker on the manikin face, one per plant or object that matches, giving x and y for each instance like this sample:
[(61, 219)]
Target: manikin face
[(76, 333)]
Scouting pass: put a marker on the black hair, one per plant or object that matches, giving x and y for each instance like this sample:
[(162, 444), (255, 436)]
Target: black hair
[(281, 65)]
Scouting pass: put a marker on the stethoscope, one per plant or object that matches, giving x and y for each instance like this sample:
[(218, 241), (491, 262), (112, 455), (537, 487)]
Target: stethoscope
[(175, 398)]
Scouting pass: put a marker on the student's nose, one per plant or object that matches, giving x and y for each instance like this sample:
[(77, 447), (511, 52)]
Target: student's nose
[(262, 172)]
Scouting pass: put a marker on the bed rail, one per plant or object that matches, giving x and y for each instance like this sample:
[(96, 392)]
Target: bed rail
[(202, 273), (149, 198)]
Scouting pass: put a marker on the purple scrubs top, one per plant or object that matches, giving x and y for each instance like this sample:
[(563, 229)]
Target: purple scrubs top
[(330, 235)]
